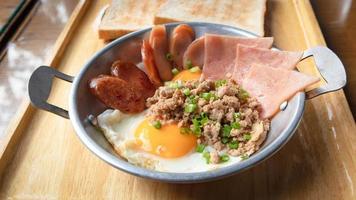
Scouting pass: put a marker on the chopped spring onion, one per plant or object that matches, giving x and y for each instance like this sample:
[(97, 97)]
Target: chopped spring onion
[(175, 71), (247, 136), (204, 119), (194, 69), (233, 145), (220, 83), (244, 157), (193, 99), (235, 125), (224, 140), (185, 130), (196, 126), (157, 124), (206, 95), (226, 130), (175, 85), (237, 115), (186, 92), (224, 158), (243, 94), (190, 108), (200, 148), (206, 155), (196, 131)]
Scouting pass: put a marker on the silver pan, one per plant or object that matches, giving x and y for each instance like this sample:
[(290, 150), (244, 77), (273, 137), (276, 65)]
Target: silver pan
[(82, 105)]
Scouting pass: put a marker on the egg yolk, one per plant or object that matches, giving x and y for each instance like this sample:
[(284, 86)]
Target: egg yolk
[(167, 141), (187, 75)]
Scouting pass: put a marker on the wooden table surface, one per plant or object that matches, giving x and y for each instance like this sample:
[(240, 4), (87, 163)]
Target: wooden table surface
[(337, 19), (28, 51), (317, 163), (33, 46), (6, 8)]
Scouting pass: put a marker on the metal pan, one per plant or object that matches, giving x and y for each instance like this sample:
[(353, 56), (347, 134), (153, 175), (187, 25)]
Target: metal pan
[(82, 104)]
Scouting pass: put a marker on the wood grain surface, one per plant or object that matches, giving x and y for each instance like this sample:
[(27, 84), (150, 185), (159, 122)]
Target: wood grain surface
[(9, 7), (338, 22), (317, 163), (29, 47)]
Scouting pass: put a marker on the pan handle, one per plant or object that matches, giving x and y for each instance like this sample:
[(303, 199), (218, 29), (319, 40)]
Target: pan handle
[(39, 88), (330, 68)]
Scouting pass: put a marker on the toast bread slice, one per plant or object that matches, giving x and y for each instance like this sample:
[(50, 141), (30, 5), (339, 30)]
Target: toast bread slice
[(244, 14), (125, 16)]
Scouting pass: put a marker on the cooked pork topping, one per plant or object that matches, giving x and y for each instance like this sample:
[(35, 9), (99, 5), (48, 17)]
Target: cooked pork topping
[(220, 113)]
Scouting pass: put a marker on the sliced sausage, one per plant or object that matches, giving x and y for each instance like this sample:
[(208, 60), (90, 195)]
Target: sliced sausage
[(181, 37), (134, 76), (159, 43), (117, 93), (149, 64), (194, 55)]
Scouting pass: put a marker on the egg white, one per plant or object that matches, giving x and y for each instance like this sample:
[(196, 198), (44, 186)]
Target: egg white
[(119, 129)]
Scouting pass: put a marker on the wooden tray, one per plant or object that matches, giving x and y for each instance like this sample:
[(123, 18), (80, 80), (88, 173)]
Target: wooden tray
[(41, 157)]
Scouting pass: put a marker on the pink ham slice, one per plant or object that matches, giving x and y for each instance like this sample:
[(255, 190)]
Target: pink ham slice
[(272, 86), (247, 56), (194, 53), (220, 53)]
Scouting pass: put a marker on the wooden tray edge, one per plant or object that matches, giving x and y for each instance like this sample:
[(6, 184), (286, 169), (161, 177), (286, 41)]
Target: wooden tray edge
[(312, 32), (306, 18), (24, 114)]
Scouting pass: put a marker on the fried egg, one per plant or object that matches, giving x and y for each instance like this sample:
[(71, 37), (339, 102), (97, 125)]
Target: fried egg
[(165, 149)]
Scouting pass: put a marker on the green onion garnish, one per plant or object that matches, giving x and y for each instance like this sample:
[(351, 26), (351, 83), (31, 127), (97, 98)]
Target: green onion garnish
[(173, 85), (233, 145), (189, 64), (196, 131), (243, 94), (204, 120), (192, 99), (220, 83), (237, 115), (157, 124), (224, 140), (226, 130), (196, 126), (175, 71), (190, 108), (206, 95), (235, 125), (224, 158), (194, 69), (247, 136), (200, 148), (186, 92), (169, 56), (206, 155), (244, 157), (185, 130)]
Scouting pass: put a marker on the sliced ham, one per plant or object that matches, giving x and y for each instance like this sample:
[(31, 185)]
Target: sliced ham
[(159, 43), (247, 56), (181, 37), (194, 54), (272, 86), (220, 53)]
